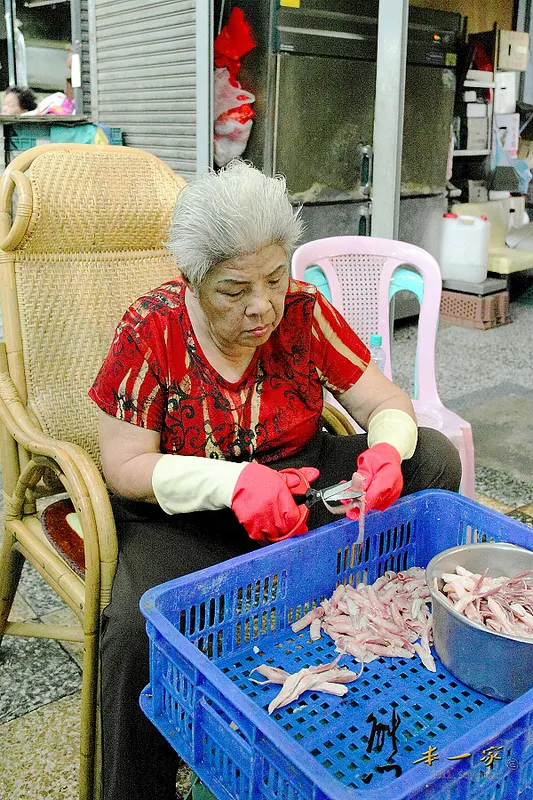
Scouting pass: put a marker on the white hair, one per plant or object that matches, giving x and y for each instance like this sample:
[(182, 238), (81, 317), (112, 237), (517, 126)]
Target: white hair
[(233, 212)]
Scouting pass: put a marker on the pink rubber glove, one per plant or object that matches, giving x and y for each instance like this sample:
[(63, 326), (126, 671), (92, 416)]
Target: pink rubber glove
[(263, 503), (310, 474), (380, 468)]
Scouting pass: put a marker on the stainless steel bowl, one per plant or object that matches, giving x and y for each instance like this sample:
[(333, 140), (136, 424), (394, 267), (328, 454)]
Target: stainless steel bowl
[(495, 664)]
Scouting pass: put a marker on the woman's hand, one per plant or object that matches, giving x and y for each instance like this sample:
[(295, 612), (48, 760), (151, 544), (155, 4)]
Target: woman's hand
[(387, 414), (263, 503), (379, 474)]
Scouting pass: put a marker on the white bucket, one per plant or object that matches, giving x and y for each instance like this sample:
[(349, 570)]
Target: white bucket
[(464, 248)]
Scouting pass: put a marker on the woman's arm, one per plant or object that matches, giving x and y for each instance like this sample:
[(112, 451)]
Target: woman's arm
[(129, 454), (259, 496), (387, 415), (372, 394)]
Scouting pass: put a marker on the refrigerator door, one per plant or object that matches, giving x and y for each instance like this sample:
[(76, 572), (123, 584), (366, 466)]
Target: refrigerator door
[(428, 115), (324, 113), (323, 128)]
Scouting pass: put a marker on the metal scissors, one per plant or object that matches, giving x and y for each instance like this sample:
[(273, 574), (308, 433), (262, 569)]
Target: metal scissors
[(332, 496)]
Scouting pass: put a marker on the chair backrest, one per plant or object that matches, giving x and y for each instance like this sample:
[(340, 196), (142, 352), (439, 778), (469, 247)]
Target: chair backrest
[(84, 241), (359, 271)]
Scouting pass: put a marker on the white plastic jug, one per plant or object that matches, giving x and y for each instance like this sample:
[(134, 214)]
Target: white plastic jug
[(464, 248)]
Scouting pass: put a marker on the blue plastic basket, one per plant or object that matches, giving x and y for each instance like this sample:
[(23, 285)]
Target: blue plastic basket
[(204, 632)]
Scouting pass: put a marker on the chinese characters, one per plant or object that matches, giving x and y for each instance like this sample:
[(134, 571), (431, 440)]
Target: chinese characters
[(383, 739)]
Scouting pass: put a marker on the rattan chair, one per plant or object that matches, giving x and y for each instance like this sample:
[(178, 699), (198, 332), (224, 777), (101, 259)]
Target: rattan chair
[(81, 242)]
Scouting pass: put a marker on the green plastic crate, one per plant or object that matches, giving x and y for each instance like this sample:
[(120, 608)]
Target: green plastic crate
[(115, 136), (22, 142)]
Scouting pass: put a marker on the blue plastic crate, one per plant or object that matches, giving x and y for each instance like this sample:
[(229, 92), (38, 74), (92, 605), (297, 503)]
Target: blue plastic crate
[(203, 629)]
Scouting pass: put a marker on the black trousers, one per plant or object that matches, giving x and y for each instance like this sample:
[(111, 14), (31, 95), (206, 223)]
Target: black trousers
[(138, 764)]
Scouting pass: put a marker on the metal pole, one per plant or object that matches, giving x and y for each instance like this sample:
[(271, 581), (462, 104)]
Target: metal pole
[(93, 59), (75, 23), (388, 116), (204, 84), (11, 13)]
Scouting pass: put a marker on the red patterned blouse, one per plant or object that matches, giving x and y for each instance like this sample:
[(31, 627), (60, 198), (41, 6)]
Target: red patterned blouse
[(156, 376)]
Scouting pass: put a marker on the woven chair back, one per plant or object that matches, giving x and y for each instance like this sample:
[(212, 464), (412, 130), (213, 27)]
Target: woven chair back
[(92, 245)]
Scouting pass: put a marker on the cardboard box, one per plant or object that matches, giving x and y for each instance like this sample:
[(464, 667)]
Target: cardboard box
[(506, 50), (511, 49), (505, 92), (477, 133), (476, 110), (525, 152), (507, 128), (477, 192), (480, 76)]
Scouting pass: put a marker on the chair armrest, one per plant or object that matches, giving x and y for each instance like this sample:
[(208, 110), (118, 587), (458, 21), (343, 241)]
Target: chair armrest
[(336, 422), (80, 476)]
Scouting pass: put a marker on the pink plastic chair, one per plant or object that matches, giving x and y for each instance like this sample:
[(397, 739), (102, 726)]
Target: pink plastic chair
[(359, 271)]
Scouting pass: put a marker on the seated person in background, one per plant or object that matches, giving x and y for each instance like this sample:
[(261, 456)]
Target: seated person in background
[(18, 100), (213, 383)]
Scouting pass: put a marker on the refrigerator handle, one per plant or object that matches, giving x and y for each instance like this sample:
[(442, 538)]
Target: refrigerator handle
[(366, 169), (365, 215)]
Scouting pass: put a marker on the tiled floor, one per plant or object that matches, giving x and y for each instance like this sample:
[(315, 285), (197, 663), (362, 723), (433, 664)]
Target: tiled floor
[(40, 680)]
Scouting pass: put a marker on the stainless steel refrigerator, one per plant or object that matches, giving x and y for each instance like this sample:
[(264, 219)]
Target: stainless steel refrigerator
[(313, 73)]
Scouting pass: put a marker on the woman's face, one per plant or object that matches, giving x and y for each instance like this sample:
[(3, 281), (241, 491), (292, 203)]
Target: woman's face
[(243, 298), (10, 104)]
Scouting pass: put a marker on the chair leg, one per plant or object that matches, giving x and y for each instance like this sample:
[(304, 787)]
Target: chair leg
[(11, 563), (97, 770), (88, 788)]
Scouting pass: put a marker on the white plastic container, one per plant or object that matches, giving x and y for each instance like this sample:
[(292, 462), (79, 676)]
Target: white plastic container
[(464, 248)]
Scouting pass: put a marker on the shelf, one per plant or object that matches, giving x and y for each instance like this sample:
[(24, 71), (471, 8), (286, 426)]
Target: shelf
[(471, 152), (44, 119), (478, 85)]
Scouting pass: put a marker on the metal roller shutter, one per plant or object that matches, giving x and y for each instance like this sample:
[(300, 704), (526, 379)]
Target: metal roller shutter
[(151, 76), (85, 64)]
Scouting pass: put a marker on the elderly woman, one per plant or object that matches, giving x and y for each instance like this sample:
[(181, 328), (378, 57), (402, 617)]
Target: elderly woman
[(213, 383)]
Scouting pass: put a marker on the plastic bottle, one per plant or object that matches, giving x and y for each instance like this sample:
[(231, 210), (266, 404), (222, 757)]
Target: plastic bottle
[(377, 353)]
